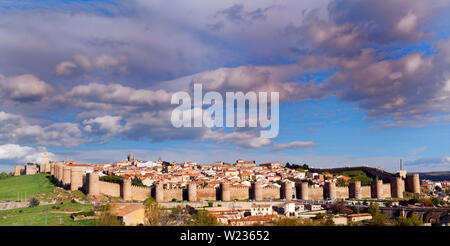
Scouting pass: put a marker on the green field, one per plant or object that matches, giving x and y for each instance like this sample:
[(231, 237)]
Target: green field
[(53, 219), (57, 214), (31, 184)]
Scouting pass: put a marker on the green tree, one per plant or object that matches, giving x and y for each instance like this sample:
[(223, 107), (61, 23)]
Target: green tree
[(203, 218), (112, 178), (34, 202), (105, 218), (411, 221), (3, 175), (378, 219), (374, 209), (137, 182)]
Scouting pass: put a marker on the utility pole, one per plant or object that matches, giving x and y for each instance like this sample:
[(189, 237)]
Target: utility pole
[(46, 211)]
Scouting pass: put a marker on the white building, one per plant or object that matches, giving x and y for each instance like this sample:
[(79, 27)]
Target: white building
[(313, 207), (148, 164), (261, 210), (292, 209)]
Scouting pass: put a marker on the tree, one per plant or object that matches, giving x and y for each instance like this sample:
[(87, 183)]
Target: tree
[(3, 175), (374, 209), (438, 188), (137, 182), (34, 202), (411, 221), (378, 219), (203, 218), (112, 178), (154, 214), (105, 218)]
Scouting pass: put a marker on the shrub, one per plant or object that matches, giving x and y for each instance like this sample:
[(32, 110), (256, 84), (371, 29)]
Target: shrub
[(34, 202)]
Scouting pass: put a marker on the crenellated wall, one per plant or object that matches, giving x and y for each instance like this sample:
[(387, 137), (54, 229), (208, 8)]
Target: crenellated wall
[(139, 193), (342, 192), (207, 194), (170, 194), (315, 193), (239, 193), (74, 179), (365, 191), (271, 193), (109, 189)]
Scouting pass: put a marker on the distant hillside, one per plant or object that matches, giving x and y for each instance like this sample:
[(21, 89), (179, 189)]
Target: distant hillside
[(31, 184), (435, 176)]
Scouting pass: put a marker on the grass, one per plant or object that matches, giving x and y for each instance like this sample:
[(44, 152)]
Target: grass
[(53, 219), (65, 207), (58, 214), (31, 184)]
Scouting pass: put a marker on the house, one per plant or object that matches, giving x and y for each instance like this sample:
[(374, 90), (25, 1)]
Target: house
[(292, 209), (129, 214), (250, 220), (261, 210), (358, 217), (313, 207), (340, 220)]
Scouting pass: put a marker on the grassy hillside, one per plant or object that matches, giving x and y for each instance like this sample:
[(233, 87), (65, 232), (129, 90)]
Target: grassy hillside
[(57, 214), (31, 184)]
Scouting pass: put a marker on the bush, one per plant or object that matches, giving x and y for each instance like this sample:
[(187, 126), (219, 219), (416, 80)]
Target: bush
[(34, 202), (112, 178), (86, 214)]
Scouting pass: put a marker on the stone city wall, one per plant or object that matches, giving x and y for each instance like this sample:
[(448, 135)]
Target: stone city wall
[(342, 192), (271, 193), (94, 187), (109, 189), (207, 194), (239, 193), (140, 193)]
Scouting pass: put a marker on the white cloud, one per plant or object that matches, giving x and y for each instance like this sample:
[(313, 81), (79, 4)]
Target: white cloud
[(293, 145), (82, 64), (18, 153), (25, 87), (106, 124), (241, 138)]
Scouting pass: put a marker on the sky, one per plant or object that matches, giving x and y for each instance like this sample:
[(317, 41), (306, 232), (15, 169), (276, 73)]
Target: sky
[(360, 82)]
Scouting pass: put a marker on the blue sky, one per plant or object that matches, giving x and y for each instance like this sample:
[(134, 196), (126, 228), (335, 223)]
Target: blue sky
[(360, 82)]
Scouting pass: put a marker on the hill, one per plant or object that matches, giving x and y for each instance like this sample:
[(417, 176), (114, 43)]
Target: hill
[(435, 176), (29, 184)]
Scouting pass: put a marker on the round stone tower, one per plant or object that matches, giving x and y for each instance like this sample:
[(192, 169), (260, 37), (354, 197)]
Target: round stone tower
[(413, 183), (76, 179), (304, 191), (376, 189), (52, 169), (330, 190), (192, 192), (60, 173), (94, 184), (397, 187), (225, 191), (126, 190), (355, 190), (159, 192), (286, 188), (66, 176), (257, 191)]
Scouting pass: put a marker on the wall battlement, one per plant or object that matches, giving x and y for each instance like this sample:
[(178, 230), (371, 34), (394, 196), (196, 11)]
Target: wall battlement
[(74, 179)]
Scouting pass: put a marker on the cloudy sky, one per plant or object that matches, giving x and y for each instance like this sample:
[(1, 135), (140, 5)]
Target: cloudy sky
[(360, 82)]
